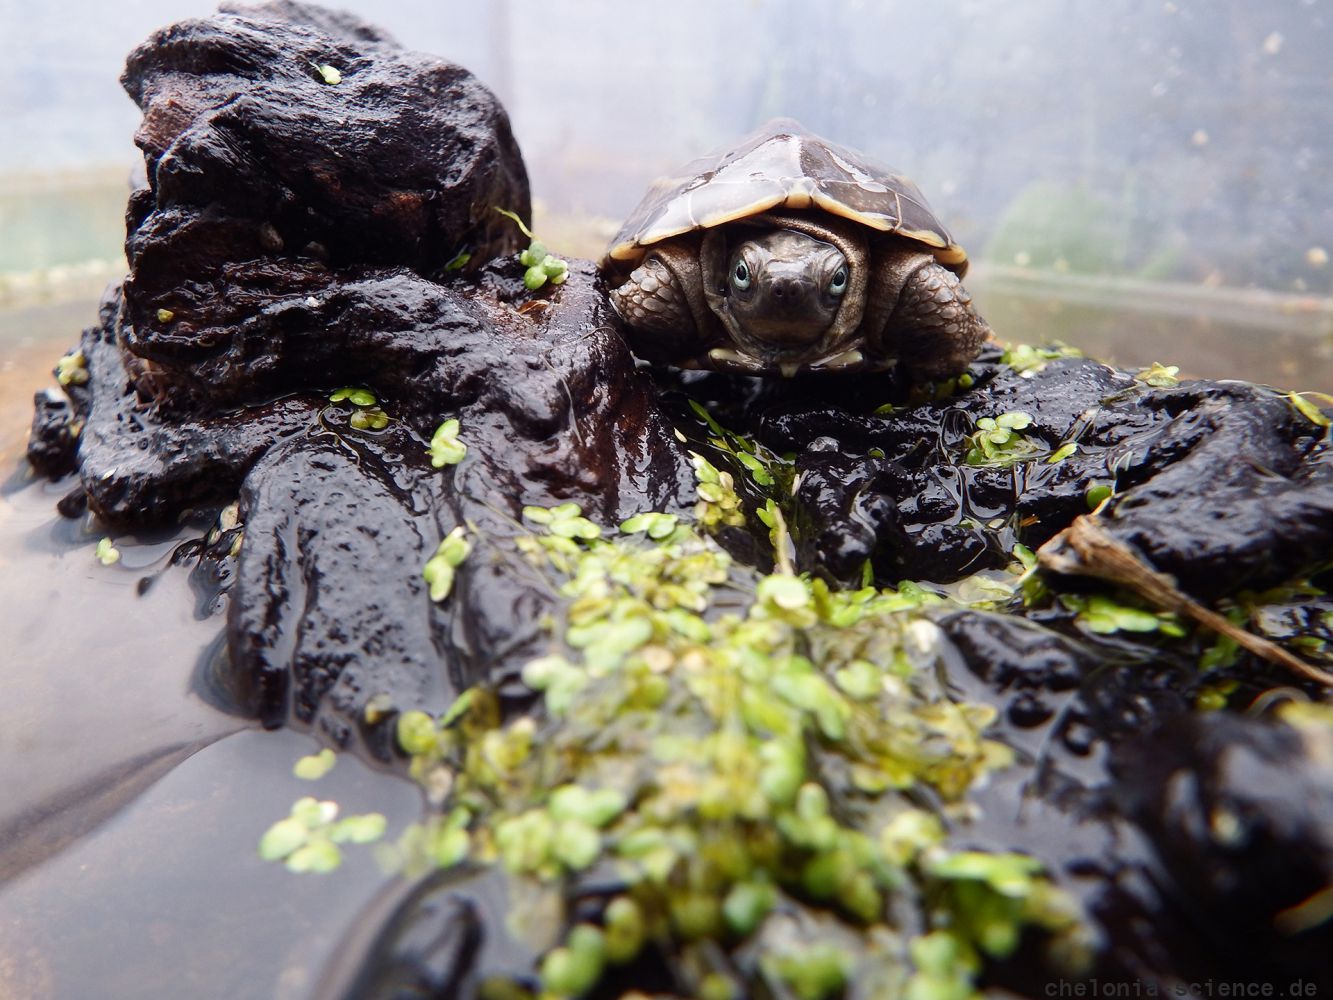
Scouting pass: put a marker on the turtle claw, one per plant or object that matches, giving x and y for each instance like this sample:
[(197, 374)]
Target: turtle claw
[(725, 359), (841, 362)]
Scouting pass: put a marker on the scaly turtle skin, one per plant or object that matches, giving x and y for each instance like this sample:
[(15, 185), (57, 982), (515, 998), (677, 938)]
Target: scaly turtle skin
[(787, 254)]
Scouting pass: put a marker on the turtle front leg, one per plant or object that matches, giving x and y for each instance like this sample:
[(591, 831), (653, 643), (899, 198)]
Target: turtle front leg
[(933, 331), (653, 300)]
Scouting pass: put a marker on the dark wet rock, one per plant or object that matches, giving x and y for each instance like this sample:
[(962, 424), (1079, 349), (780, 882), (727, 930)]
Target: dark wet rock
[(1062, 701), (423, 943), (1192, 839), (53, 437), (1222, 484), (1036, 674), (306, 635), (1239, 814), (329, 608), (139, 470), (260, 172), (211, 366)]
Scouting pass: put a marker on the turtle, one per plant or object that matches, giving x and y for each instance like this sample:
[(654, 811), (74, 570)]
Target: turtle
[(788, 254)]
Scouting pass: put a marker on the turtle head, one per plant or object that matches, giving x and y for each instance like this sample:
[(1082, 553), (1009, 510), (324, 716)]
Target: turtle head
[(784, 289)]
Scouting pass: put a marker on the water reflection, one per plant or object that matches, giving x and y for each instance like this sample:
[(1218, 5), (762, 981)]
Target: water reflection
[(133, 800), (170, 898)]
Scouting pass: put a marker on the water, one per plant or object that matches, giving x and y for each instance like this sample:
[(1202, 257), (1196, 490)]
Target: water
[(169, 898), (1277, 339), (133, 802)]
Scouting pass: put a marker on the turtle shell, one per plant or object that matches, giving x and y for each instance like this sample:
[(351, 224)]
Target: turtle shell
[(781, 165)]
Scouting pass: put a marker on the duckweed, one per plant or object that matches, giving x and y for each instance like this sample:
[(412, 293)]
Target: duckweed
[(357, 397), (1102, 615), (72, 369), (1159, 376), (719, 504), (565, 521), (1302, 403), (370, 418), (458, 261), (440, 569), (307, 840), (1098, 495), (1028, 359), (107, 553), (541, 266), (764, 466), (736, 748), (445, 446), (1062, 452), (999, 440), (315, 766)]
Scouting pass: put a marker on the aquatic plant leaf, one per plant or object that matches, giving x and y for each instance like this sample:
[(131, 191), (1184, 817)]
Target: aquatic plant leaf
[(315, 766)]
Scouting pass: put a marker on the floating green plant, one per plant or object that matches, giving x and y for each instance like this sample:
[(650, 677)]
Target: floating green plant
[(445, 446), (1098, 494), (329, 74), (440, 568), (1104, 616), (106, 552), (366, 416), (357, 397), (72, 369), (999, 440), (719, 504), (315, 766), (541, 266), (764, 466), (307, 840), (735, 748), (1302, 403), (370, 418), (1062, 452), (1026, 358), (1159, 376)]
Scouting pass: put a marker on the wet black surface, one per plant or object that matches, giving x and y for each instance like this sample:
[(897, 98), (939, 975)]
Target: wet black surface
[(273, 262), (259, 170), (1238, 812), (1220, 483)]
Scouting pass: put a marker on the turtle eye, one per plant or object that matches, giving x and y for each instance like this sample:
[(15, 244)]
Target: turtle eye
[(839, 283), (740, 276)]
